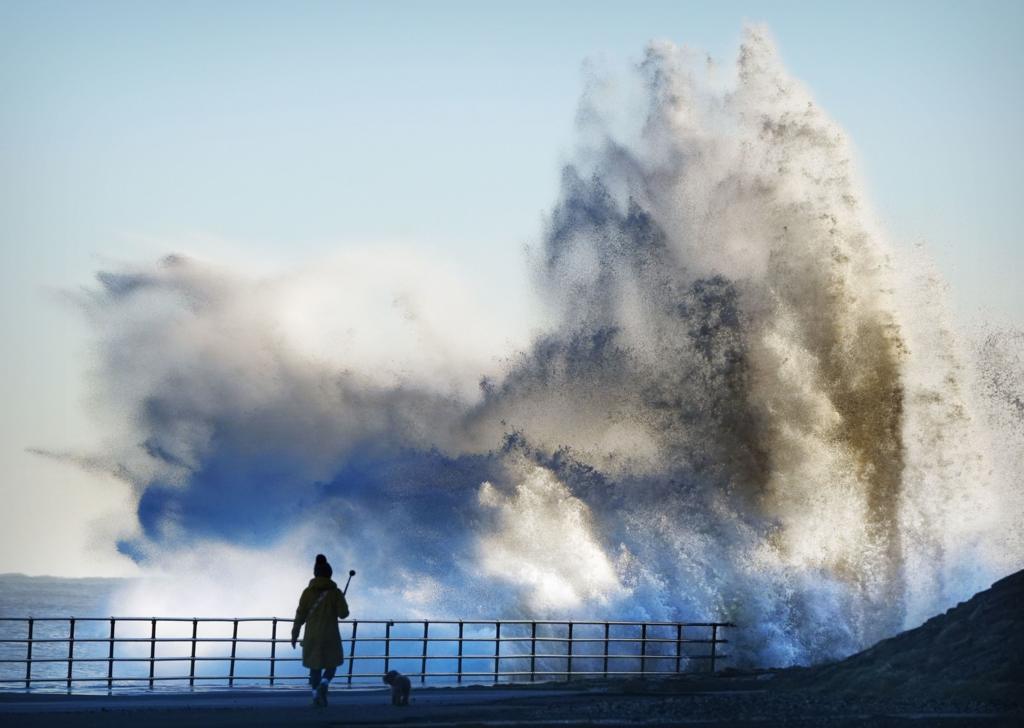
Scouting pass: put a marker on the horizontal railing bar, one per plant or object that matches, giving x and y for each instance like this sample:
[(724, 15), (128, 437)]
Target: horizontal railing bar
[(418, 640), (467, 658), (148, 619), (147, 640), (158, 678), (488, 640), (526, 655), (492, 640), (227, 658), (576, 656), (186, 658), (230, 620), (305, 678)]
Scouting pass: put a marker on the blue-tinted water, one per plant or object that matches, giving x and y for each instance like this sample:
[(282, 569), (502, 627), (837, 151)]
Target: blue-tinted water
[(51, 602)]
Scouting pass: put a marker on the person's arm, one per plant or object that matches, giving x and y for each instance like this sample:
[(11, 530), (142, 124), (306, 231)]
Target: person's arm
[(342, 606), (300, 617)]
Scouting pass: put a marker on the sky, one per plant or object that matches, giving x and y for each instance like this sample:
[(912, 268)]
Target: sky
[(265, 136)]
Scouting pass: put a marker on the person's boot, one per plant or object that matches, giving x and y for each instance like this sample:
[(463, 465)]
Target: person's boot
[(321, 694)]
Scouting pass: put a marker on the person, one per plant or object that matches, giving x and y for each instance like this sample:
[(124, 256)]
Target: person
[(320, 607)]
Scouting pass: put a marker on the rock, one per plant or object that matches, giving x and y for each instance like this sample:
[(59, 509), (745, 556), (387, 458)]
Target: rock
[(973, 651)]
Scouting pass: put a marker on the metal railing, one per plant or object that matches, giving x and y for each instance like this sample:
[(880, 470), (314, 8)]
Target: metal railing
[(128, 651)]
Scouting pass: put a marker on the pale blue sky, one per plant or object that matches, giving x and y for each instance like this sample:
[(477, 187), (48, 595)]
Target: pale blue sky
[(278, 132)]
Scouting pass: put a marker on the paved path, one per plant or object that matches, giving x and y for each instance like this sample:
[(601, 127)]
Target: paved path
[(702, 703), (439, 706)]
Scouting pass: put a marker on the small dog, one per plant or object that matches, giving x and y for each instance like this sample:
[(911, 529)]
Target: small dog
[(401, 686)]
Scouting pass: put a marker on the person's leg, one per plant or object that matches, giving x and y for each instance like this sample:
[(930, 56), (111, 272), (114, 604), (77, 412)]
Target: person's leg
[(325, 683), (314, 682)]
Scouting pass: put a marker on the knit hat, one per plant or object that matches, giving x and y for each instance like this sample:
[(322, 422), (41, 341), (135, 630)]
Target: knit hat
[(321, 567)]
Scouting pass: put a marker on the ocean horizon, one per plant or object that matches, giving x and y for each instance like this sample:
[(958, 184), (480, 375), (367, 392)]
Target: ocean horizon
[(52, 601)]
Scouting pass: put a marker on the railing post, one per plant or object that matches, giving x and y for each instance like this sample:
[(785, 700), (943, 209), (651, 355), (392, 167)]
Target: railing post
[(110, 657), (273, 649), (234, 645), (459, 678), (152, 650), (714, 644), (679, 646), (533, 651), (387, 646), (28, 654), (352, 649), (192, 659), (607, 628), (497, 649), (71, 648), (569, 664), (643, 648), (423, 661)]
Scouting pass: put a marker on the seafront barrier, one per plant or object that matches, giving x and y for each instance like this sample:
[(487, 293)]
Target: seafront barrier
[(106, 653)]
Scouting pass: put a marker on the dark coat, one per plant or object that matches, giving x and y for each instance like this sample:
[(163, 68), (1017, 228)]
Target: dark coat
[(321, 645)]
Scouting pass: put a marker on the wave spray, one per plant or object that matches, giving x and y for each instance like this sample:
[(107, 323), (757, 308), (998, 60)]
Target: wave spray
[(744, 406)]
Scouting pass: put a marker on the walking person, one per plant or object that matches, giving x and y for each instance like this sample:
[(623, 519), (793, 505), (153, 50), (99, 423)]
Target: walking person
[(321, 605)]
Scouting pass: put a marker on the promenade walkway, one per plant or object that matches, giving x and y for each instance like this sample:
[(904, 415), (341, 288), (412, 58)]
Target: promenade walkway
[(265, 707), (741, 700)]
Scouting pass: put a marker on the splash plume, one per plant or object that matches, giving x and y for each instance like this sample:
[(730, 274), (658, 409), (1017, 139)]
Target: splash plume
[(741, 408)]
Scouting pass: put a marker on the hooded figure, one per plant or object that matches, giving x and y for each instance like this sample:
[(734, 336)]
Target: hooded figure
[(320, 607)]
